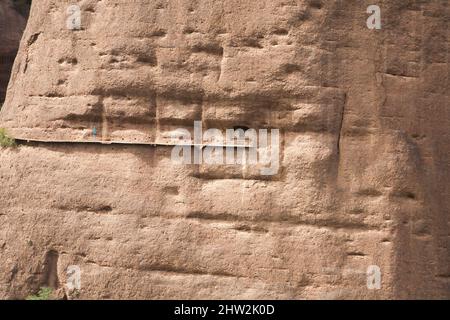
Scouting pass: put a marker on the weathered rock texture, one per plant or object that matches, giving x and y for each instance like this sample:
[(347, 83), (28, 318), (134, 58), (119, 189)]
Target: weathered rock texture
[(12, 24), (365, 150)]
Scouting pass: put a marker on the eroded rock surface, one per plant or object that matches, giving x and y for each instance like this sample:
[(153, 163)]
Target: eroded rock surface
[(364, 116)]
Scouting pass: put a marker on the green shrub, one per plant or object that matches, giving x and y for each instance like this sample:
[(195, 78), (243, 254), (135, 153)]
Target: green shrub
[(43, 294), (5, 140)]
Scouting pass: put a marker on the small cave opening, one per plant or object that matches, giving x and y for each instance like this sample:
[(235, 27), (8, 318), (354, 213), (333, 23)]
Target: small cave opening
[(50, 270), (244, 128)]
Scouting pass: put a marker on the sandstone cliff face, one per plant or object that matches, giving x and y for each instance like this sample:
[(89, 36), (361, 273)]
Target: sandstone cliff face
[(12, 24), (365, 160)]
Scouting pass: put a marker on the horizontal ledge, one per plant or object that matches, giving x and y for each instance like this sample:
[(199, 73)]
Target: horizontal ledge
[(151, 144)]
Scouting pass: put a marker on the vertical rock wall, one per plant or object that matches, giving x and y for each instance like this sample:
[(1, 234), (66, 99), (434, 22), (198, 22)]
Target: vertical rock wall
[(364, 116)]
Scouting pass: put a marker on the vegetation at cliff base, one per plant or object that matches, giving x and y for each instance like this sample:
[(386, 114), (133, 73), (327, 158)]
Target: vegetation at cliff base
[(43, 294), (5, 140)]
